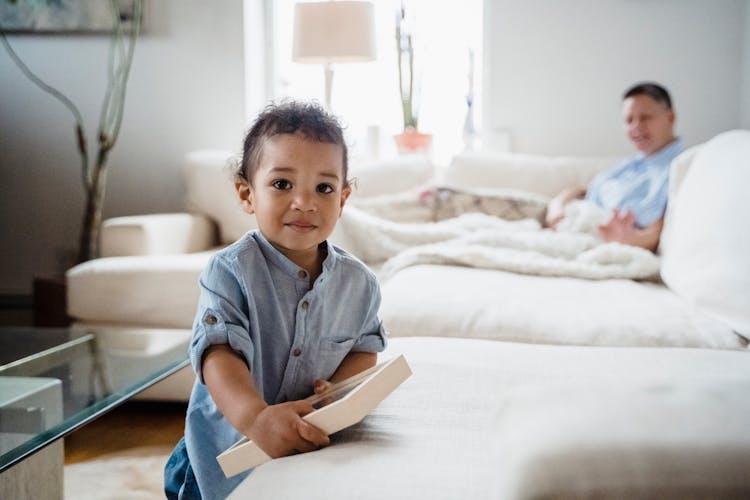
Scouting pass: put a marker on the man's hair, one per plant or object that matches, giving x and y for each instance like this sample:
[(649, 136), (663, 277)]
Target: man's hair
[(651, 89), (290, 117)]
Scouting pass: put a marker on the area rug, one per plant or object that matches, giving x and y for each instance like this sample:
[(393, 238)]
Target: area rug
[(135, 474)]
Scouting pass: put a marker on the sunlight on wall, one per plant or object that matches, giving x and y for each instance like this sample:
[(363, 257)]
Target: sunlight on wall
[(366, 95)]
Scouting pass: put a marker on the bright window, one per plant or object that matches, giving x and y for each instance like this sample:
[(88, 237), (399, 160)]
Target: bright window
[(366, 95)]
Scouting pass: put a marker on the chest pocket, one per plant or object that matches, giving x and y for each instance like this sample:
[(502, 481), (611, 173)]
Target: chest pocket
[(334, 345), (332, 352)]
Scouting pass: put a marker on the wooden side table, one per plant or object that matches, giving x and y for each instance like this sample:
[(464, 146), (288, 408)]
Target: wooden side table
[(50, 302)]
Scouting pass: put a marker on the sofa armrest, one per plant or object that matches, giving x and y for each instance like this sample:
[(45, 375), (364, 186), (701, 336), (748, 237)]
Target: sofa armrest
[(157, 234)]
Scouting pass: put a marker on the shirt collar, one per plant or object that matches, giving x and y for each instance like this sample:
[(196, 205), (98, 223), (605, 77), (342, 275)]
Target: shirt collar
[(668, 151), (273, 255)]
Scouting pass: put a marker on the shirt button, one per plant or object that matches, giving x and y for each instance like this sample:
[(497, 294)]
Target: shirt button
[(302, 274), (305, 305), (210, 319), (297, 351)]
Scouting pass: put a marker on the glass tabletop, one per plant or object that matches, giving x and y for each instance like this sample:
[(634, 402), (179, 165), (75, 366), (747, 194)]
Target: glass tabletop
[(53, 381)]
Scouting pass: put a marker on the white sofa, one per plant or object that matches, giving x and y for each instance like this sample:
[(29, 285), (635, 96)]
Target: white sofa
[(602, 409), (149, 266), (483, 419)]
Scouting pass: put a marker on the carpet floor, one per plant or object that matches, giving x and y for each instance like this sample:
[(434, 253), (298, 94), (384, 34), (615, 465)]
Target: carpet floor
[(135, 474), (122, 454)]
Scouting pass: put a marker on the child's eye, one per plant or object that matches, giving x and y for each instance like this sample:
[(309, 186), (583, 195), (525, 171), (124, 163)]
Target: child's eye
[(325, 188), (282, 184)]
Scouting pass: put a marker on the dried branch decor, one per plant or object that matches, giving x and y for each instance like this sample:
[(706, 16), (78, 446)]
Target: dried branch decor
[(94, 174)]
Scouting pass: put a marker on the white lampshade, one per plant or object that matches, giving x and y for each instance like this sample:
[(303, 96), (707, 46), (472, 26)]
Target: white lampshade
[(334, 32)]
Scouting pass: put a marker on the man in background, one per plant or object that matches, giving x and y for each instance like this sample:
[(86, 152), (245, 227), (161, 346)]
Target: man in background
[(636, 189)]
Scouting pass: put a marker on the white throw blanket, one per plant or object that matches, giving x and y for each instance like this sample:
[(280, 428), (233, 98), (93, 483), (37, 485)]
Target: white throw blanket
[(484, 241)]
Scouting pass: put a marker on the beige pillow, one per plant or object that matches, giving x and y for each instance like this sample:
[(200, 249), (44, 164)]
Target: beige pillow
[(706, 241)]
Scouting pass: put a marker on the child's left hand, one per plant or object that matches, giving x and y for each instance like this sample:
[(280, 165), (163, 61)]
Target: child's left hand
[(319, 387)]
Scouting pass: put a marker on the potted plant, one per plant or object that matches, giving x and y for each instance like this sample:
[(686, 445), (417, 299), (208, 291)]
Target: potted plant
[(410, 139)]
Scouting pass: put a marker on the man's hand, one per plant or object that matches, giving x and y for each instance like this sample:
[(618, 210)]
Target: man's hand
[(556, 206), (620, 228), (555, 213), (279, 430)]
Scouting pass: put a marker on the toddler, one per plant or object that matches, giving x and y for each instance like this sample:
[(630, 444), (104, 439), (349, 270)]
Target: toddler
[(282, 313)]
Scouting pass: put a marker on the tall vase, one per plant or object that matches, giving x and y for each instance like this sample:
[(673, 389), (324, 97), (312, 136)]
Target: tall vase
[(470, 132)]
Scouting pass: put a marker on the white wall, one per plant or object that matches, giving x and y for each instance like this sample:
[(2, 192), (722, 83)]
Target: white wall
[(555, 72), (557, 68), (745, 108), (185, 92)]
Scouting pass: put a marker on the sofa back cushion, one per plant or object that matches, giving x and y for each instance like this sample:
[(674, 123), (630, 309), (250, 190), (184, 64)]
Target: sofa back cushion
[(391, 176), (545, 175), (706, 239), (209, 185), (210, 189)]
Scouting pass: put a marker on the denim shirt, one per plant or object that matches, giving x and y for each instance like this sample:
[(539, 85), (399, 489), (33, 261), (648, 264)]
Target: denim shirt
[(640, 183), (260, 303)]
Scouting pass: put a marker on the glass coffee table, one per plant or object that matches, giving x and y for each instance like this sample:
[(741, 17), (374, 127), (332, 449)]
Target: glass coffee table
[(54, 381)]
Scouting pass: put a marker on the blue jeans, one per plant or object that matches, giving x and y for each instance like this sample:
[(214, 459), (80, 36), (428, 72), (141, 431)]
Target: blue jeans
[(179, 480)]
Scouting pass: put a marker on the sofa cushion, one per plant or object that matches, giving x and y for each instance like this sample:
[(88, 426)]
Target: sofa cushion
[(149, 291), (706, 241), (433, 437), (430, 300), (546, 175), (209, 184), (156, 234), (391, 176), (629, 438)]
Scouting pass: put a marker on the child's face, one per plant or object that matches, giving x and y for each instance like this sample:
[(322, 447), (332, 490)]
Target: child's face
[(297, 194)]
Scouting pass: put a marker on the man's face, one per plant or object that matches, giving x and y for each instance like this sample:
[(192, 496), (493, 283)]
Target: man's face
[(648, 123)]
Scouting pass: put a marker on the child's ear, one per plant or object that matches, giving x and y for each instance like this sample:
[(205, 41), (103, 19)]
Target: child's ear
[(344, 196), (245, 192)]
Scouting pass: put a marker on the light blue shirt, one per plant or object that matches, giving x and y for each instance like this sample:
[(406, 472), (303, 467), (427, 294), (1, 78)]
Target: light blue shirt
[(260, 303), (640, 183)]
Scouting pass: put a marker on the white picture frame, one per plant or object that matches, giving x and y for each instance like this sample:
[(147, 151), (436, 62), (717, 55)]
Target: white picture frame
[(343, 405)]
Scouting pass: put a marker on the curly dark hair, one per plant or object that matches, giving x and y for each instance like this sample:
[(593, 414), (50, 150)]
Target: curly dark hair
[(290, 117), (651, 89)]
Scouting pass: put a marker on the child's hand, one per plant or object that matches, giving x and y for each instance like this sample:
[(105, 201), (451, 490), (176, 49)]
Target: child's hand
[(279, 430), (320, 387)]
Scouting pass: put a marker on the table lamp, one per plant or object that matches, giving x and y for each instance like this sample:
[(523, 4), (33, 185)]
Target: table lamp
[(333, 32)]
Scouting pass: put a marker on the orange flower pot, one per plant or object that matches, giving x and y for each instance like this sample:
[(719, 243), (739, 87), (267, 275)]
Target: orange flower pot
[(411, 140)]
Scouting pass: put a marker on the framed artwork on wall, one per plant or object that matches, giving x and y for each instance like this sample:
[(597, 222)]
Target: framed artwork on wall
[(64, 16)]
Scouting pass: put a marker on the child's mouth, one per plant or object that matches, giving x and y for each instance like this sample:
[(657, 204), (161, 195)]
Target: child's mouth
[(301, 227)]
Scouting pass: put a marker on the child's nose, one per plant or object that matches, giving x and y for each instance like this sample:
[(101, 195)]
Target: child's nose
[(304, 200)]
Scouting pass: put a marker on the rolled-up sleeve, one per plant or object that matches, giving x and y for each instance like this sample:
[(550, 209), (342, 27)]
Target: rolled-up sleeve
[(373, 336), (221, 317)]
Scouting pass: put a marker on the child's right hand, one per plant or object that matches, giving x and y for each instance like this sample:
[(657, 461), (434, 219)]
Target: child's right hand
[(279, 430)]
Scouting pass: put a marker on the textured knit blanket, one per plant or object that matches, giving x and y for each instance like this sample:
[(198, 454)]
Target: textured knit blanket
[(488, 242)]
